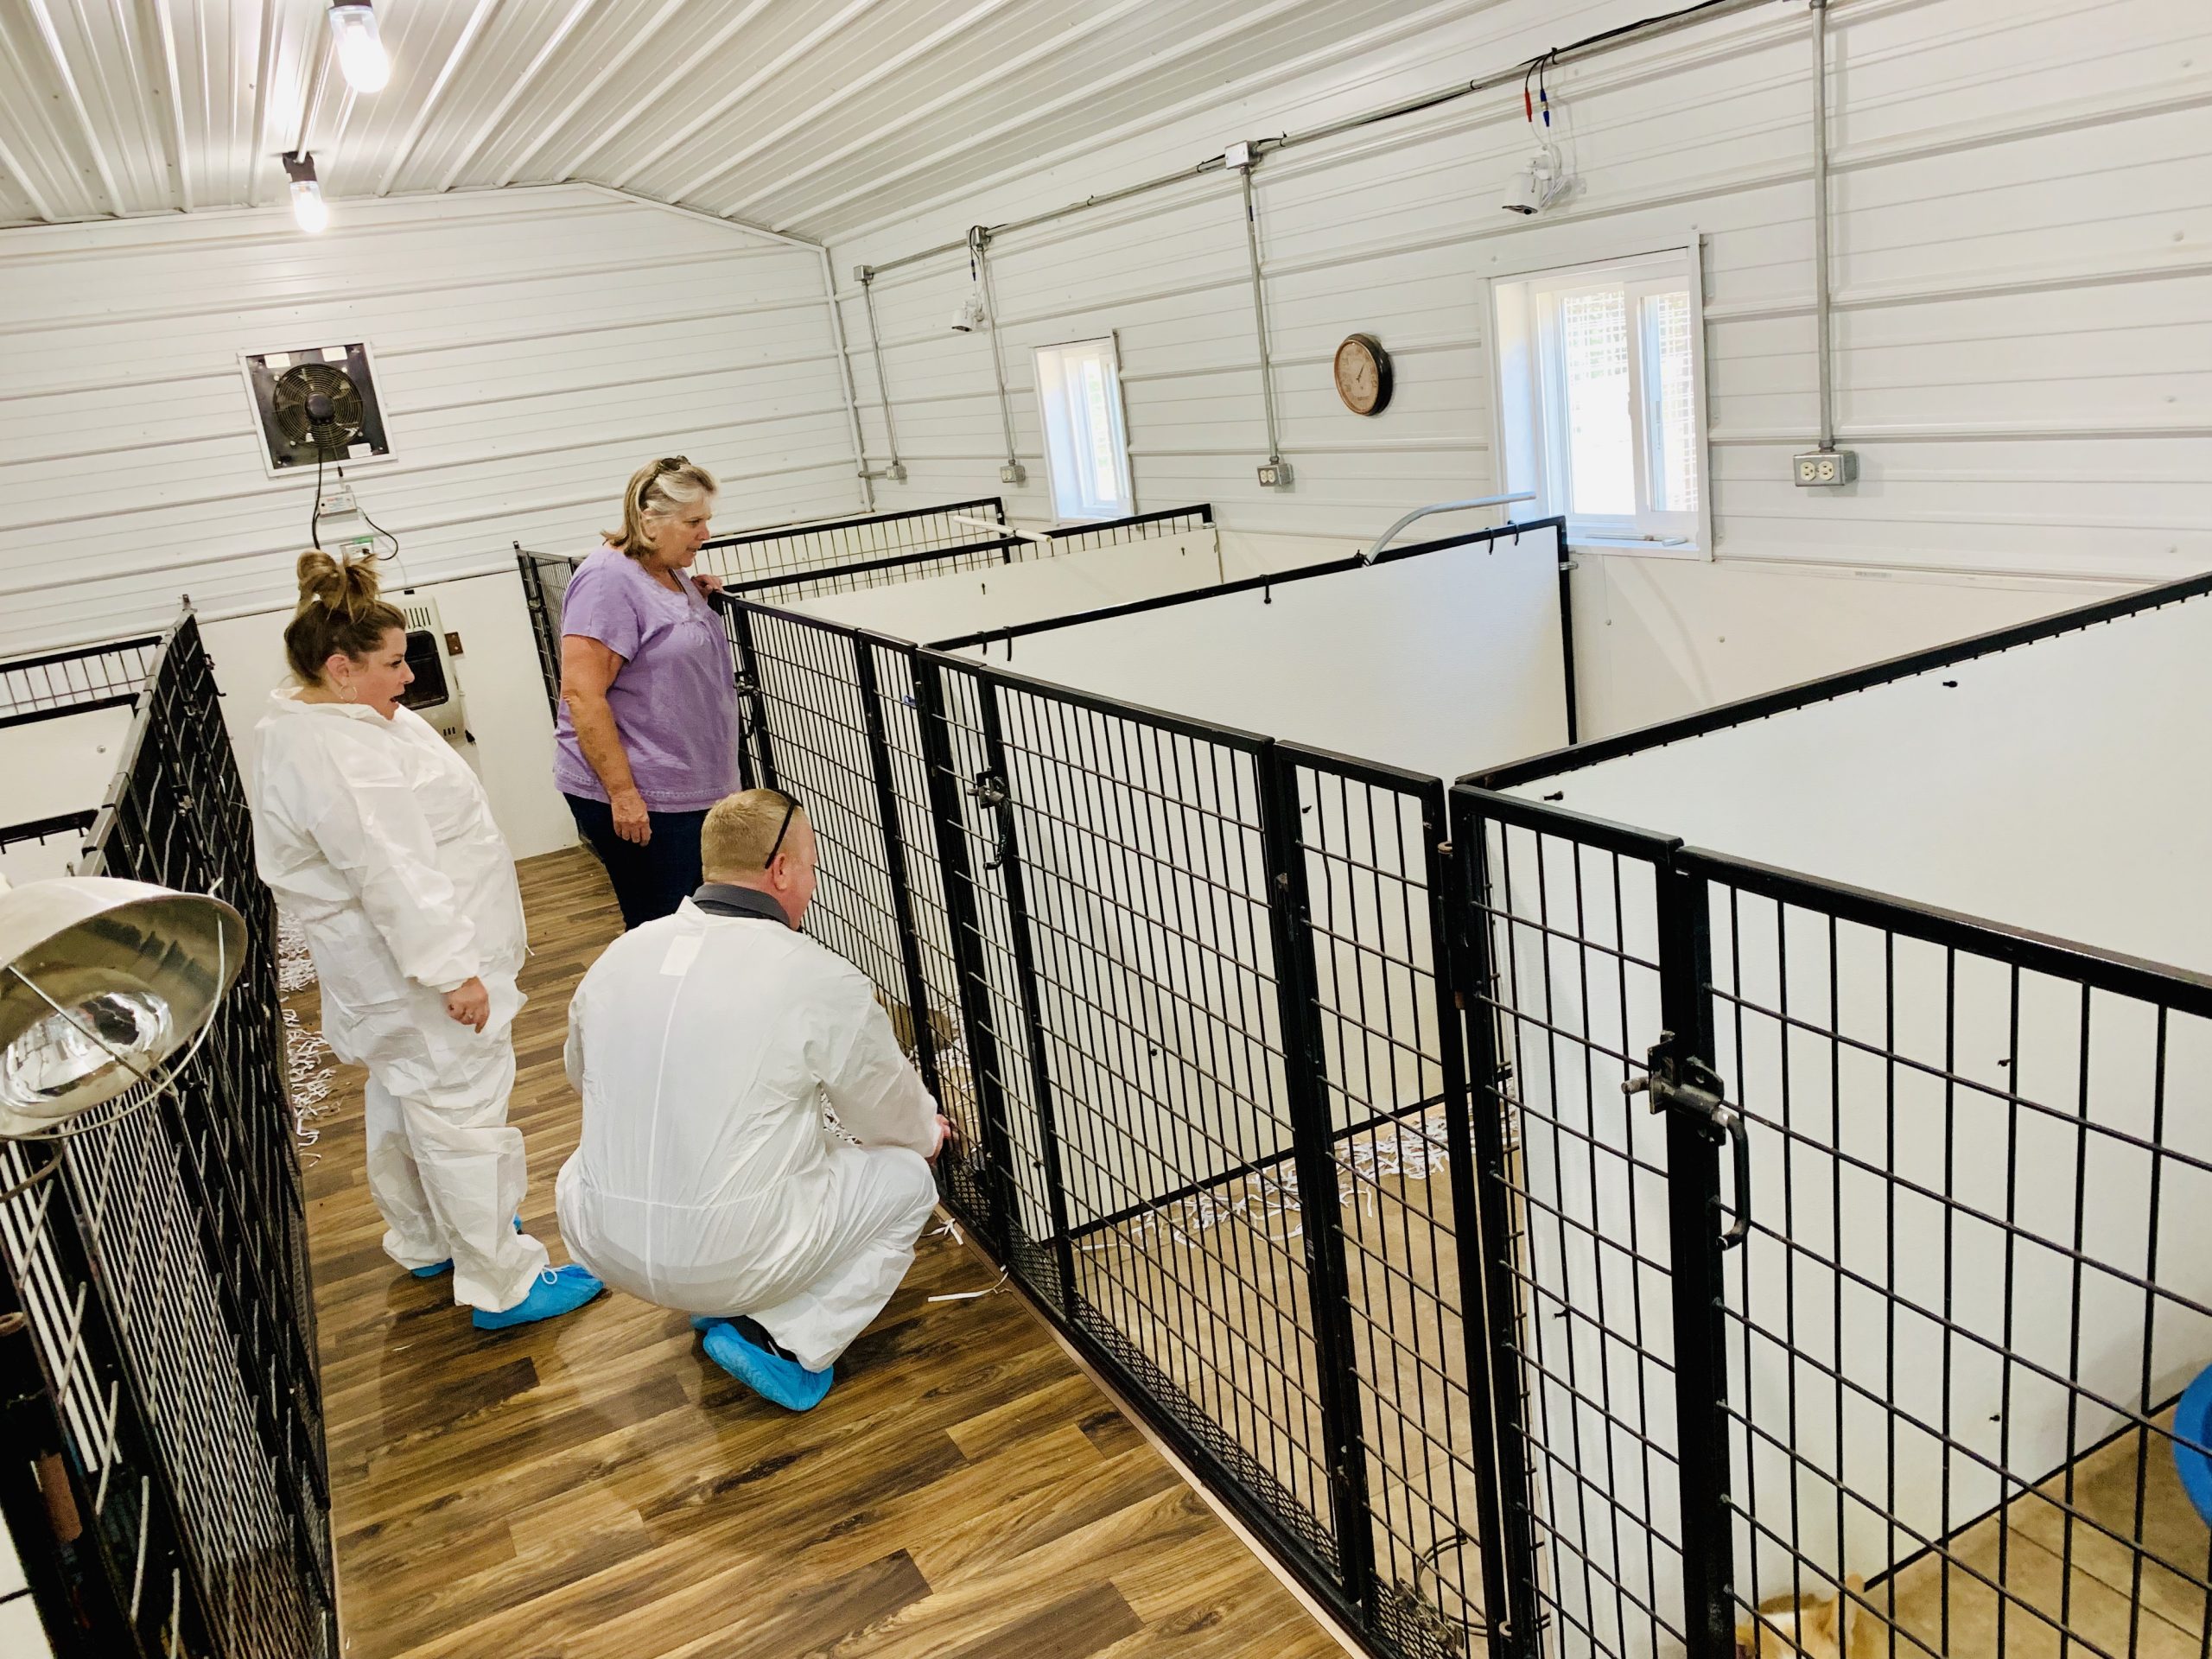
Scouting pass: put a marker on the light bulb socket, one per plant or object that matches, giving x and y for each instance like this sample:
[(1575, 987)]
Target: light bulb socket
[(299, 168)]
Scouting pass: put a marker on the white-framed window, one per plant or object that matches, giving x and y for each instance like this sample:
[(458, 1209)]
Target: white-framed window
[(1086, 436), (1600, 381)]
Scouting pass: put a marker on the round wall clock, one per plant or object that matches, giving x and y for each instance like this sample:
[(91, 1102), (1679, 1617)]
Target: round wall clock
[(1364, 374)]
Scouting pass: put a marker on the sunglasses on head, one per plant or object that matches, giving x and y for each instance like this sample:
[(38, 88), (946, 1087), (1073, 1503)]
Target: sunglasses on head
[(790, 809)]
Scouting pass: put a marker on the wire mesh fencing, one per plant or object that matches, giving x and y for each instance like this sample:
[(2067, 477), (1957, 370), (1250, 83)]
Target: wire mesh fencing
[(1856, 1275), (806, 549), (1548, 1237), (782, 566), (160, 1337), (1187, 993)]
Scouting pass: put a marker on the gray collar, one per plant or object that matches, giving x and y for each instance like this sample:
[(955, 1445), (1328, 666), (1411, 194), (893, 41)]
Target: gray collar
[(723, 899)]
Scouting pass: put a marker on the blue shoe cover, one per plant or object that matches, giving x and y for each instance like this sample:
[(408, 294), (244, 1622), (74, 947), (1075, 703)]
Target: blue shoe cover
[(709, 1321), (2193, 1430), (787, 1383), (446, 1266), (559, 1291)]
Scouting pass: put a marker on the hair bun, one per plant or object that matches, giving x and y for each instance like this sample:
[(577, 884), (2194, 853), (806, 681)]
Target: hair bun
[(349, 586)]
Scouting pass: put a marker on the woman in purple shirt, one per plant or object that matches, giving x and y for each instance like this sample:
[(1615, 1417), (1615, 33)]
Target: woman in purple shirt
[(646, 738)]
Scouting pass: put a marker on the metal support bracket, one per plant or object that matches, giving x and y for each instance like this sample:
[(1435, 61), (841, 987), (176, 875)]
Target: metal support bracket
[(1689, 1085)]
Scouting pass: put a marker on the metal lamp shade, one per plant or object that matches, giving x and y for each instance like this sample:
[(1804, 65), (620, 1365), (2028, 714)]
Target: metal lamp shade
[(136, 970)]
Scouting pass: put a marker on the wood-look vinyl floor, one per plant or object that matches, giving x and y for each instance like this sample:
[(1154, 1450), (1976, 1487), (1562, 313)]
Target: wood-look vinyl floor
[(594, 1488)]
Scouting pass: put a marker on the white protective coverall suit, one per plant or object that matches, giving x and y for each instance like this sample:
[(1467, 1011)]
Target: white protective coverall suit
[(378, 843), (705, 1047)]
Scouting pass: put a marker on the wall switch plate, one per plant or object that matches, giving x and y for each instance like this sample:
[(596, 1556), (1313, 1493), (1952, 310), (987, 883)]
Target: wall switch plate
[(1013, 472), (337, 498), (453, 643), (1275, 475), (1818, 468)]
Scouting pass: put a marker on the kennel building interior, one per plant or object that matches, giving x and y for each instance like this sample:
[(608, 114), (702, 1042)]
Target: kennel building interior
[(1130, 932), (1958, 242)]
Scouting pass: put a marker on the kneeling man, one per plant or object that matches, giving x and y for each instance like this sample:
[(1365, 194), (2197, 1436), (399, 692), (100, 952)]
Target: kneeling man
[(706, 1045)]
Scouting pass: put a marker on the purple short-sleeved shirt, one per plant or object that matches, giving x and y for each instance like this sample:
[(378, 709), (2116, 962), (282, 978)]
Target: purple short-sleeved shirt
[(674, 702)]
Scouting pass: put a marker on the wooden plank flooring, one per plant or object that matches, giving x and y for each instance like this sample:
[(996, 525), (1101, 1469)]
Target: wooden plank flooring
[(595, 1488)]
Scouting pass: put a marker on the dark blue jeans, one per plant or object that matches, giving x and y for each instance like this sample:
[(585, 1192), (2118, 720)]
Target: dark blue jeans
[(651, 880)]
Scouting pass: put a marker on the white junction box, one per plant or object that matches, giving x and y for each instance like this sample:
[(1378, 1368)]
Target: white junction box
[(1818, 468)]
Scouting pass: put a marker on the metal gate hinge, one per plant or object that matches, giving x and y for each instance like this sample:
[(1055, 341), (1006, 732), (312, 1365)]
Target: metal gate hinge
[(1685, 1084)]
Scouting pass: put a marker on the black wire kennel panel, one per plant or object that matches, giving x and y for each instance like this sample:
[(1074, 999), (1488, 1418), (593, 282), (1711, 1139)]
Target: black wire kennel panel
[(812, 739), (1144, 852), (1564, 988), (1978, 1273), (817, 547), (545, 578), (160, 1270), (1399, 1231), (1009, 1164), (75, 681)]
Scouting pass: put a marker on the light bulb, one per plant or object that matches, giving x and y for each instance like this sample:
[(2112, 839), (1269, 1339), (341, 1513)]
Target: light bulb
[(361, 53), (309, 207)]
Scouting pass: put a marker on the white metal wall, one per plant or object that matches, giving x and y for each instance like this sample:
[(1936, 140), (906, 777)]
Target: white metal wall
[(2022, 207), (532, 348)]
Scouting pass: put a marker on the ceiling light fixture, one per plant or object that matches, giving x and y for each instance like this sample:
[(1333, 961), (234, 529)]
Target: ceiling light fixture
[(309, 207), (361, 53)]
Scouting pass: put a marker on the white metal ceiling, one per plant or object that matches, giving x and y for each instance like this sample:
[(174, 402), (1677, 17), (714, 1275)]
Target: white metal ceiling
[(813, 117)]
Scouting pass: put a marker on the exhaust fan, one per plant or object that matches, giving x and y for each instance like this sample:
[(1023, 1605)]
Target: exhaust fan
[(316, 406)]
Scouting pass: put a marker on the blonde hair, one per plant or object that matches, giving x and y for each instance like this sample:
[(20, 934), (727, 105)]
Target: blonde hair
[(660, 489), (741, 831), (339, 611)]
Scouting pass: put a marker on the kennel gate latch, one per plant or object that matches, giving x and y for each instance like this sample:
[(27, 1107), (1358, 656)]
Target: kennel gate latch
[(1686, 1083)]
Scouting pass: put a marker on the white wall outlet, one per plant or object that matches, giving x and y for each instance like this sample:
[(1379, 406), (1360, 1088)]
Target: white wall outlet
[(1820, 468), (335, 500), (1013, 472), (1275, 475), (896, 472)]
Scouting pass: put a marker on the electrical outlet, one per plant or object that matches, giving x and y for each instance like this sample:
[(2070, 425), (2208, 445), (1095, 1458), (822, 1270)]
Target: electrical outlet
[(1820, 468), (337, 498), (896, 472), (453, 643), (1013, 472), (1275, 475)]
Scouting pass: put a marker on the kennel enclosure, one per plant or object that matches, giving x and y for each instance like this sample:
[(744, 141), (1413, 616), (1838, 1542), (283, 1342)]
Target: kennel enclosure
[(1293, 1086), (169, 1490)]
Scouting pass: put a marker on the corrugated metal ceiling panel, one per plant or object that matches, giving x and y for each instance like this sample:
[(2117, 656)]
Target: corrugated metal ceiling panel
[(813, 117)]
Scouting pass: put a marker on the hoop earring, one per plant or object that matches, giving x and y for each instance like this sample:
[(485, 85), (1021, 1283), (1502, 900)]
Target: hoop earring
[(348, 694)]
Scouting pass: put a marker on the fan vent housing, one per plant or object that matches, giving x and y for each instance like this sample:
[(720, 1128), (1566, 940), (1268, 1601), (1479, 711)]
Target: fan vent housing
[(316, 405)]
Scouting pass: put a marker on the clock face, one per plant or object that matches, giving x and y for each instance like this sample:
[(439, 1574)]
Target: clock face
[(1363, 372)]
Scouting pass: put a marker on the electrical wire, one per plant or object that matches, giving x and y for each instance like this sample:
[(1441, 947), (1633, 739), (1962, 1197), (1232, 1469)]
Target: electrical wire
[(315, 507)]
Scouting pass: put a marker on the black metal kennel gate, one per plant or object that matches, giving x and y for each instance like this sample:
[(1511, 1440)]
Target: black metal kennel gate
[(1501, 1209)]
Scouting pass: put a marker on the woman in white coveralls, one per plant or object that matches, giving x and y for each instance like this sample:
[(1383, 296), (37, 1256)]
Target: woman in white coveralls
[(705, 1045), (377, 841)]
